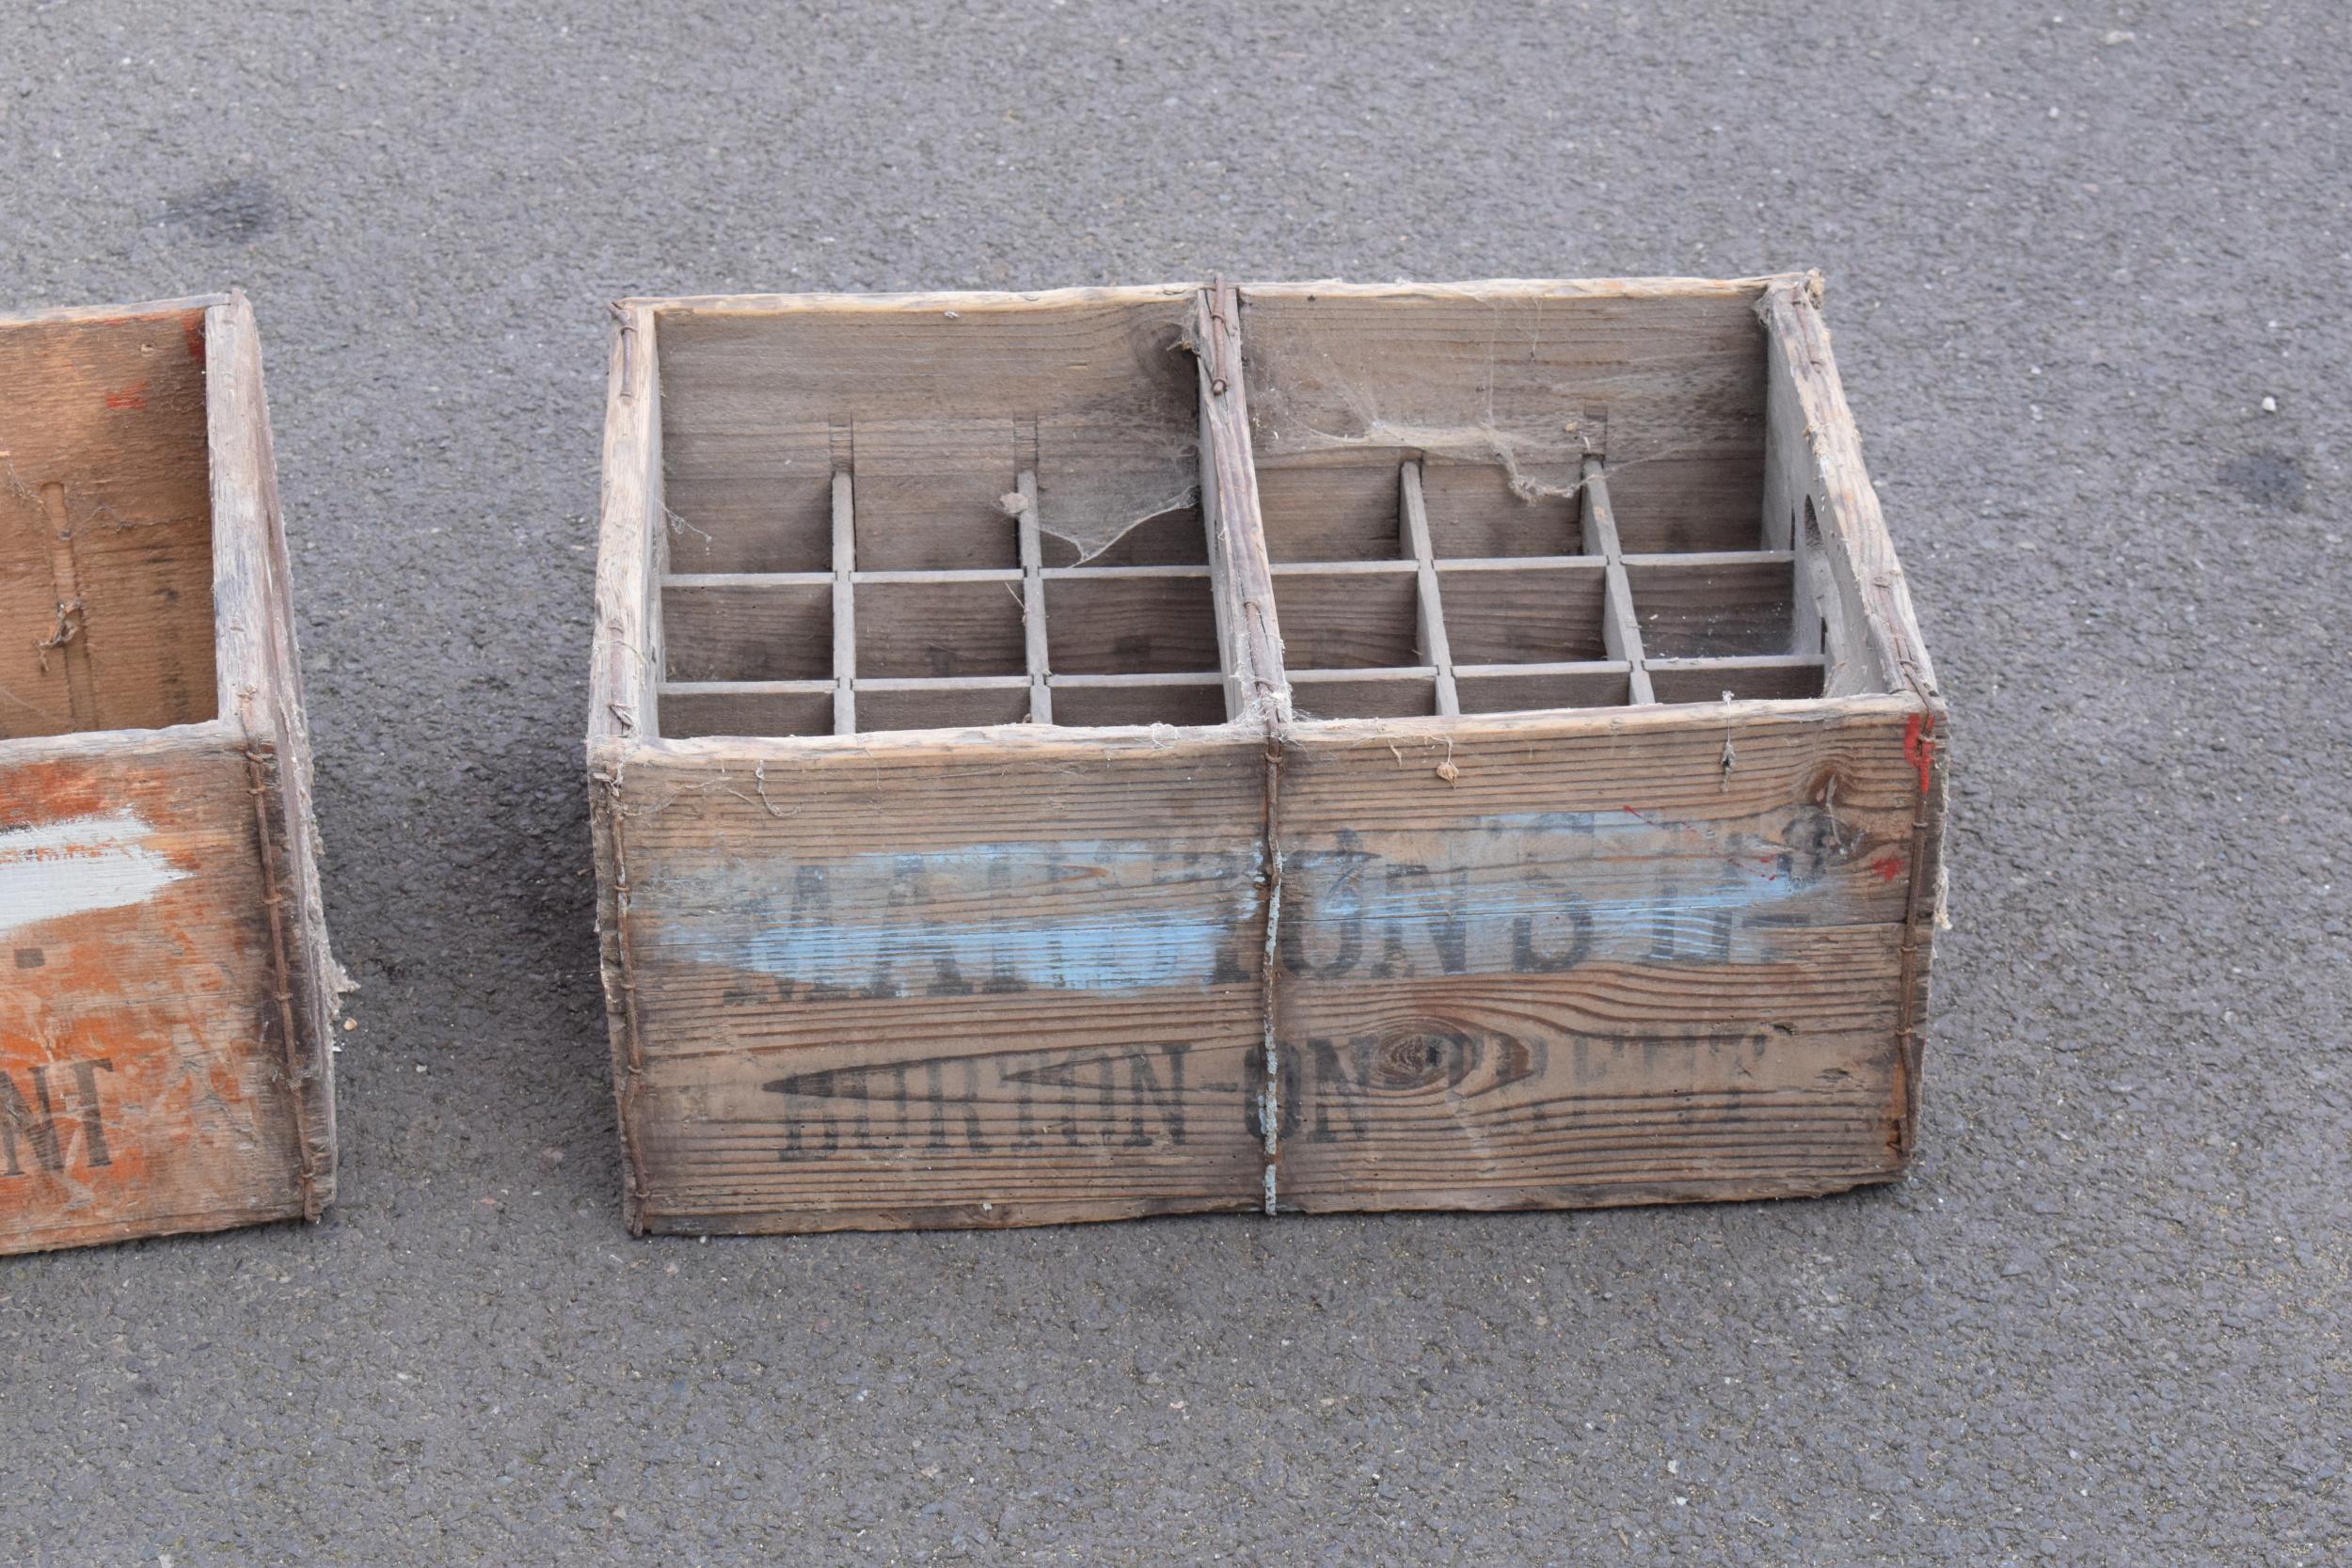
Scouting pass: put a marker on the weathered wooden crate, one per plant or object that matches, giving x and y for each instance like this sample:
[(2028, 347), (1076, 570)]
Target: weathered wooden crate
[(1304, 746), (166, 987)]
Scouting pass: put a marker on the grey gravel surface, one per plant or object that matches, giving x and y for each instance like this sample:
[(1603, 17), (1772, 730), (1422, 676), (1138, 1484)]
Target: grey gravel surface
[(2088, 270)]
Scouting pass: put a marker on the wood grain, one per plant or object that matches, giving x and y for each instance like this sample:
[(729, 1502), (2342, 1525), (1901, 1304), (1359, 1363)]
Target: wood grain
[(867, 979), (1571, 964), (105, 522)]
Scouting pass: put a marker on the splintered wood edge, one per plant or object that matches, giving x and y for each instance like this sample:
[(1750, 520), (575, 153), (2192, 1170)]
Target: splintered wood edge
[(624, 665)]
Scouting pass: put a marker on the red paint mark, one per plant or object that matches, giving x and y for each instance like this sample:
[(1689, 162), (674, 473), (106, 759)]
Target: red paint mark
[(130, 397), (192, 332), (1919, 746), (1889, 868)]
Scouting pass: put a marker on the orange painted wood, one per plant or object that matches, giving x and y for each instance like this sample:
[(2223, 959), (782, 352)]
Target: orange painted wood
[(166, 988)]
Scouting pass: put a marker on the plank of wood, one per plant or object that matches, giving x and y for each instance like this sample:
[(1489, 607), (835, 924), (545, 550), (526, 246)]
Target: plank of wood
[(1868, 605), (260, 696), (1621, 633), (938, 706), (624, 666), (1875, 642), (1474, 512), (1401, 692), (1429, 609), (931, 493), (844, 603), (940, 629), (1540, 963), (1033, 602), (105, 526), (1188, 699), (692, 709), (1249, 626), (876, 987), (144, 1082), (1335, 505)]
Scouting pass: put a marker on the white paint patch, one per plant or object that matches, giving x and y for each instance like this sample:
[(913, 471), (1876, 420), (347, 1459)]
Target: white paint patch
[(100, 861)]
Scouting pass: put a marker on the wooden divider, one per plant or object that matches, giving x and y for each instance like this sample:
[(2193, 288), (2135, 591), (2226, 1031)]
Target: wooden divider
[(1430, 630)]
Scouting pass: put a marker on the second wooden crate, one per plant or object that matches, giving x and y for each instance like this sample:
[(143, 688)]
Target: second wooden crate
[(1292, 747)]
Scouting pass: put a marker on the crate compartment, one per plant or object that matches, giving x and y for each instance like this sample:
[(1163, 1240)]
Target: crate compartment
[(721, 627), (165, 1009), (1716, 605), (1362, 825), (1131, 621), (987, 498)]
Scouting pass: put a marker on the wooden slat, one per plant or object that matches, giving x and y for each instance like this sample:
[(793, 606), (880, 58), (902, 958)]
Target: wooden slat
[(260, 696), (1106, 574), (929, 629), (1399, 567), (844, 603), (1247, 624), (1525, 688), (1429, 611), (1621, 634), (745, 579), (1033, 601), (1518, 564), (626, 663)]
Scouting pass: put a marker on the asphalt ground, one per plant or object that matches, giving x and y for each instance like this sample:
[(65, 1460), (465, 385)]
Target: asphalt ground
[(2087, 272)]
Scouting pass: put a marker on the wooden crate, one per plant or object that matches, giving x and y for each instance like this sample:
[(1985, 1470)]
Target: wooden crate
[(1106, 752), (166, 988)]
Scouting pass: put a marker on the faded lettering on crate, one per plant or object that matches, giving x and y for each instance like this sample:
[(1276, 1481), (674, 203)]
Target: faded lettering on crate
[(141, 1085)]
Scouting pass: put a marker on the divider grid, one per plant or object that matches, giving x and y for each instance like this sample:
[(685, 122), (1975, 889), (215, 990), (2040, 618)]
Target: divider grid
[(753, 653)]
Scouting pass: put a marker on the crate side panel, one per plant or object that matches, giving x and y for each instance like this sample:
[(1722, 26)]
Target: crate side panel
[(1522, 970), (962, 984), (140, 1036), (260, 691), (106, 549)]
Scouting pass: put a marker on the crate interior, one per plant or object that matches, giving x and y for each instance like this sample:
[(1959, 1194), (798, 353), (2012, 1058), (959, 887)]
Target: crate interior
[(886, 516), (1476, 502), (105, 525)]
